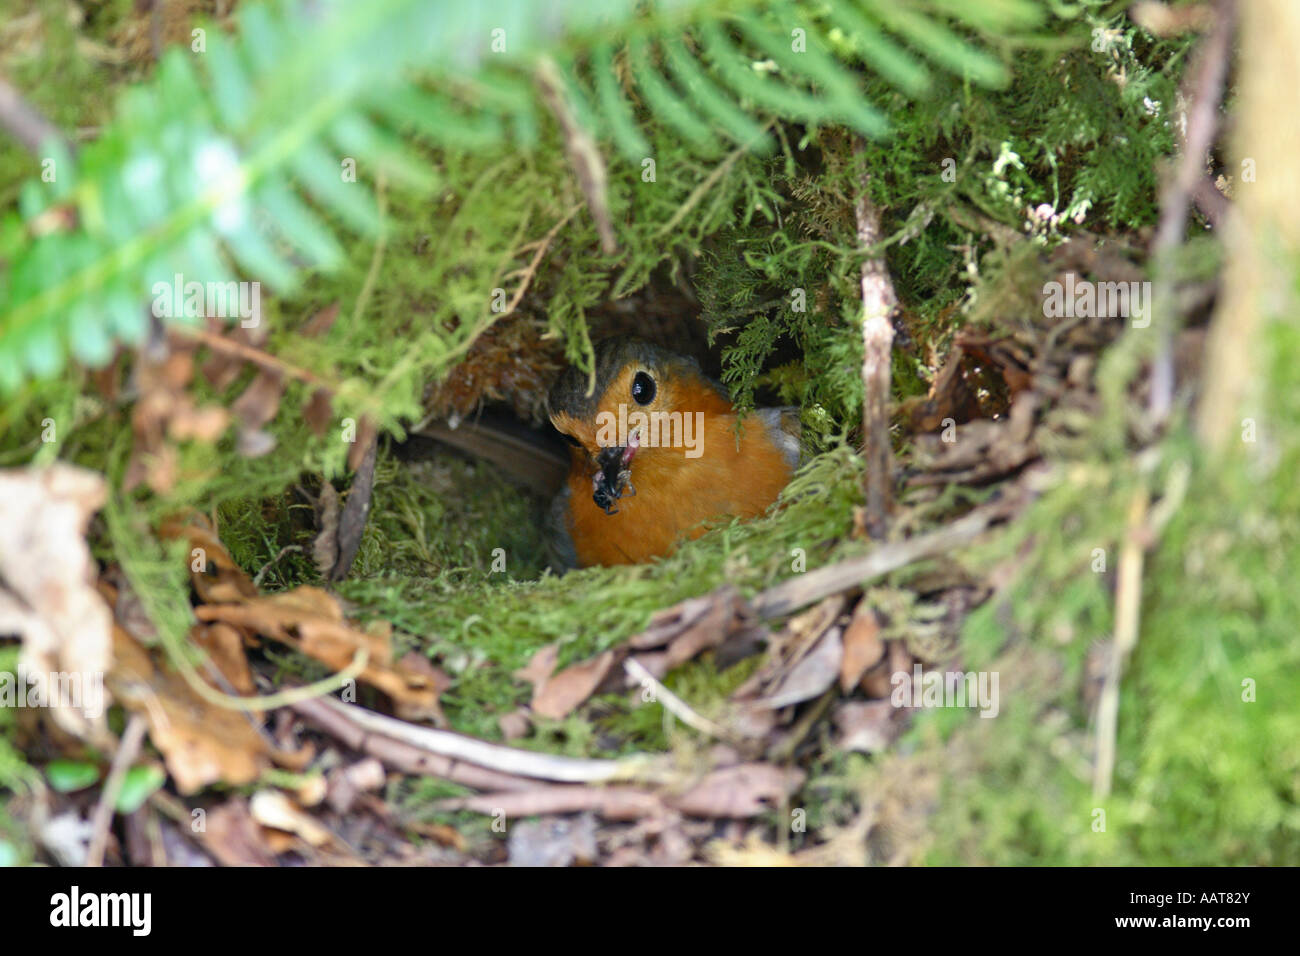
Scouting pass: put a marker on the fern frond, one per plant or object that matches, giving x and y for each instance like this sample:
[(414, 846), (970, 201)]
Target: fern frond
[(233, 159)]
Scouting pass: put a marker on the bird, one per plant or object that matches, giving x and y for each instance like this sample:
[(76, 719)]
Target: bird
[(657, 450)]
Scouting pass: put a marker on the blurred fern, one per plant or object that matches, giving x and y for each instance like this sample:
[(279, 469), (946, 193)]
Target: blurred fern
[(230, 158)]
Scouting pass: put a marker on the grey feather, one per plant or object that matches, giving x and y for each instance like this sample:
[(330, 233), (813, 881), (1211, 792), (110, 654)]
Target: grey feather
[(783, 427), (560, 550)]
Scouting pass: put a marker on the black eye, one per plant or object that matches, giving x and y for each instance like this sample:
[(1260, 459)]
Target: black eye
[(643, 388), (571, 440)]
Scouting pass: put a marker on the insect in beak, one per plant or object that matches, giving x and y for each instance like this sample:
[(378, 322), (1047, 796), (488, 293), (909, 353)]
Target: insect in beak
[(614, 479)]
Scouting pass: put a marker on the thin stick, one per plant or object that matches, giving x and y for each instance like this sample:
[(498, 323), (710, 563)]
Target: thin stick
[(248, 353), (404, 757), (800, 591), (522, 763), (1128, 605), (583, 152), (257, 579), (878, 304), (530, 271), (674, 704), (1210, 74), (24, 122), (128, 749), (702, 190)]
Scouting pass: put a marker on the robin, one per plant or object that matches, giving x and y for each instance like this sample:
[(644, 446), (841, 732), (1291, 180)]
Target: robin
[(655, 454)]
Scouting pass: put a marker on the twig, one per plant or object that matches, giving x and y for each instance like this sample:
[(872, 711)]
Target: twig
[(128, 749), (797, 592), (257, 579), (674, 704), (1128, 604), (509, 760), (585, 156), (529, 272), (248, 353), (1209, 76), (702, 190), (24, 122), (614, 803), (878, 304), (403, 756)]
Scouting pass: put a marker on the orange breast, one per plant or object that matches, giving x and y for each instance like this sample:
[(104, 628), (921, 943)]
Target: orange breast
[(675, 494)]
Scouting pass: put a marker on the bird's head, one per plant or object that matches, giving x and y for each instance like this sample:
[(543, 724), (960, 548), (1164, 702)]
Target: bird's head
[(638, 389)]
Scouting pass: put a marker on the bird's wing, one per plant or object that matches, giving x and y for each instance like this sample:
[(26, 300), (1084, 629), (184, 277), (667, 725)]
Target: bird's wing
[(783, 426), (560, 550), (522, 454)]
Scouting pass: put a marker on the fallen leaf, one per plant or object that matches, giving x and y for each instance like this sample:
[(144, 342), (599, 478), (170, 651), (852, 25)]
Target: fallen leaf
[(47, 590), (863, 647), (788, 647), (260, 401), (320, 323), (559, 695), (225, 648), (255, 408), (364, 438), (205, 424), (233, 837), (540, 666), (311, 621), (271, 808), (213, 572), (325, 547), (201, 742), (514, 724), (812, 676), (745, 790), (867, 727), (553, 841), (319, 411)]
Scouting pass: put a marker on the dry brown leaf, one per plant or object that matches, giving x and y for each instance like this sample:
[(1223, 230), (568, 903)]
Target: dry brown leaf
[(540, 666), (47, 589), (232, 836), (791, 644), (553, 841), (559, 695), (325, 547), (813, 674), (271, 808), (876, 681), (863, 646), (224, 646), (213, 572), (319, 411), (201, 743), (320, 323), (311, 621), (258, 404), (514, 724), (868, 727), (205, 424), (746, 790), (365, 437), (721, 620)]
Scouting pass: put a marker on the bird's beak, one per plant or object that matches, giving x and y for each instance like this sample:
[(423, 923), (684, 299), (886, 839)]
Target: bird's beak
[(613, 480)]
